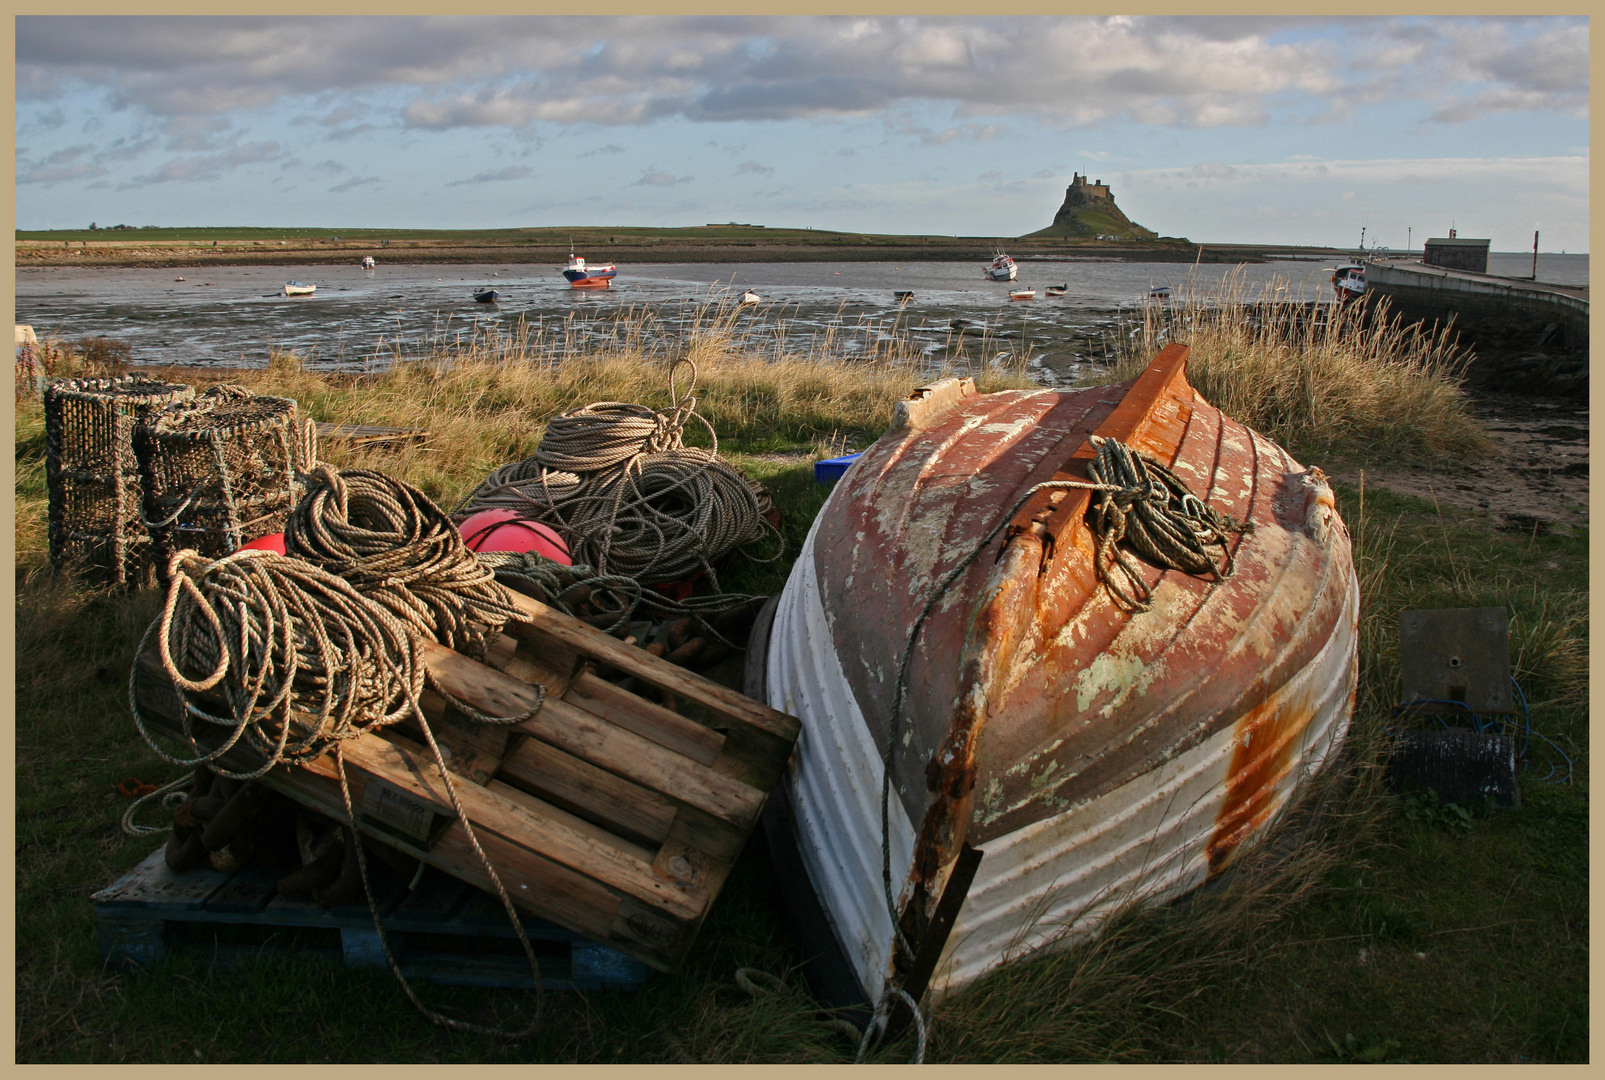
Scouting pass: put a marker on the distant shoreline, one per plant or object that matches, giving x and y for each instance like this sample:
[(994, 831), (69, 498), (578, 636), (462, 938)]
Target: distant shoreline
[(115, 248)]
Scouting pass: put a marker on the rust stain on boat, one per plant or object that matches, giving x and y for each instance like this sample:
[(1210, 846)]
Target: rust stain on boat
[(1265, 738)]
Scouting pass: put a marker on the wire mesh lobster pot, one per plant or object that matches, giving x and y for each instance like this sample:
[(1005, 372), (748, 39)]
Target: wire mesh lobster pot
[(92, 473), (222, 470)]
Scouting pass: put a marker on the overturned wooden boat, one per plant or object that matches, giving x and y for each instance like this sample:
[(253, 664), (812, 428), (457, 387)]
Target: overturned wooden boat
[(1057, 755)]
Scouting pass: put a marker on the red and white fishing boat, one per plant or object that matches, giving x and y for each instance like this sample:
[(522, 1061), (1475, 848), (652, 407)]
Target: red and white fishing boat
[(1348, 281), (581, 276), (1057, 754), (1001, 268)]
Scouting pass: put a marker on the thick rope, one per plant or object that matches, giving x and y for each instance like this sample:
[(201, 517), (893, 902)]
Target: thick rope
[(304, 663), (1146, 505), (1136, 499), (398, 548), (618, 484)]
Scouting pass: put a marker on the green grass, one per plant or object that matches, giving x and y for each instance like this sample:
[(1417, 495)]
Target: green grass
[(1267, 969)]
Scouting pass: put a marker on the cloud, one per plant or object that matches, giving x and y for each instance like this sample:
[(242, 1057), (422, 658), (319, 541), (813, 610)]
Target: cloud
[(512, 172), (209, 167), (193, 134), (654, 178), (608, 149), (518, 71), (354, 182), (64, 164), (754, 167)]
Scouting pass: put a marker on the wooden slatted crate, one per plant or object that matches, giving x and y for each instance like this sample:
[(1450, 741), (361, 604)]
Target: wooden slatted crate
[(441, 930), (606, 813)]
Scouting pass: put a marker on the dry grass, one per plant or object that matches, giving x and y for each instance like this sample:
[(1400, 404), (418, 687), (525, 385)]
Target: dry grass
[(1315, 378)]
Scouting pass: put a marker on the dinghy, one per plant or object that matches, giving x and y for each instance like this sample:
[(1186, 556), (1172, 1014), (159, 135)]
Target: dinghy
[(1062, 742)]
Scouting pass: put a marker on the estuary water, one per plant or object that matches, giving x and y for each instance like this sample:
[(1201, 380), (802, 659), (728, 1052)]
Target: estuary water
[(360, 319)]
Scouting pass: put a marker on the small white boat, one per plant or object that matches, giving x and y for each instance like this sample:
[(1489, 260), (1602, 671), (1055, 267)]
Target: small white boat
[(1022, 294), (750, 297), (1001, 268), (1159, 292), (367, 262), (295, 288), (1056, 290)]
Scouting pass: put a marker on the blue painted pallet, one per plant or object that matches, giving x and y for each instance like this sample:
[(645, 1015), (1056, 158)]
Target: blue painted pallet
[(441, 930)]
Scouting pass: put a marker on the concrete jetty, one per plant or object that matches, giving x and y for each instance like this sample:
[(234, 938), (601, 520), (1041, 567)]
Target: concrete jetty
[(1528, 335)]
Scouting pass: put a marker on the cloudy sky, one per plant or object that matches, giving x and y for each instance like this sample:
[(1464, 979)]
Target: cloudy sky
[(1218, 128)]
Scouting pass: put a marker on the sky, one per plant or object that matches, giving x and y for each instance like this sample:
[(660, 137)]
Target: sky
[(1220, 129)]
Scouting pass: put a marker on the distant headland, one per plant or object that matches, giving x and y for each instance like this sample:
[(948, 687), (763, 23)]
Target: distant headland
[(1088, 226)]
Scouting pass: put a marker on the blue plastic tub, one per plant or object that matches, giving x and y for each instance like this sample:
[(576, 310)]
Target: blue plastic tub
[(831, 469)]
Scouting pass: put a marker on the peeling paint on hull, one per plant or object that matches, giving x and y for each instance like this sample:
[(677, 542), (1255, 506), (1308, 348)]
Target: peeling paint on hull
[(1093, 756)]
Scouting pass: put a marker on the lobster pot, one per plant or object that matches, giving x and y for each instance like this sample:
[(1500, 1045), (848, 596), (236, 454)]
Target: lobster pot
[(222, 470), (92, 475)]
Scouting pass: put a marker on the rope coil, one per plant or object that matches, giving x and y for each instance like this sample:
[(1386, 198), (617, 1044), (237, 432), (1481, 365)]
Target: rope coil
[(396, 547), (629, 498), (304, 662)]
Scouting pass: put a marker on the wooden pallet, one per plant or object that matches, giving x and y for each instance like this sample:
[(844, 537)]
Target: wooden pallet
[(441, 930), (371, 434), (611, 815)]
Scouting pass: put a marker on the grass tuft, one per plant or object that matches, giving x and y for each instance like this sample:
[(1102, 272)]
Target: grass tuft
[(1315, 378)]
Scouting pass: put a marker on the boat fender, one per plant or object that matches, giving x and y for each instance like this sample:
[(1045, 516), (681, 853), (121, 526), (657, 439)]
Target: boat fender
[(926, 406)]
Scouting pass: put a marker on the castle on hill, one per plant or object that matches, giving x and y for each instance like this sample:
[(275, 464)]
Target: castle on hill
[(1089, 213), (1098, 190)]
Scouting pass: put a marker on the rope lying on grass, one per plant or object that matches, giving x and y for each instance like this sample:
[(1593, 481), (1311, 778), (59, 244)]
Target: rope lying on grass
[(616, 481), (396, 547), (1136, 500), (303, 662)]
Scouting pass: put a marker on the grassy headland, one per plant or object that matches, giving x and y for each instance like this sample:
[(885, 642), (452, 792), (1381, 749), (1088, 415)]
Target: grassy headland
[(710, 243), (1390, 934)]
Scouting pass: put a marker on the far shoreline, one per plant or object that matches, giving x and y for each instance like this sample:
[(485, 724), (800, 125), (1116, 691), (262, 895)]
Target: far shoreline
[(171, 248)]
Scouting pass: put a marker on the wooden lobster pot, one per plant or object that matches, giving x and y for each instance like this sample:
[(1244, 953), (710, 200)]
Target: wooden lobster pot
[(606, 813)]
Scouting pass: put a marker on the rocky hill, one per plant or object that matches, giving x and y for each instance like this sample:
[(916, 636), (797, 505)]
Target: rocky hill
[(1089, 213)]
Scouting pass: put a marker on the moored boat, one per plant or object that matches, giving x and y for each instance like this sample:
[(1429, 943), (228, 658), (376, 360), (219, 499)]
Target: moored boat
[(1057, 290), (1059, 739), (367, 262), (1001, 268), (903, 296), (581, 276), (750, 297), (488, 296), (295, 288), (1348, 281), (1022, 294)]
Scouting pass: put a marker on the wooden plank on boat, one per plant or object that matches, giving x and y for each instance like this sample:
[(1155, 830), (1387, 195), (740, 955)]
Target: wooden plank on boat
[(370, 434), (1152, 417)]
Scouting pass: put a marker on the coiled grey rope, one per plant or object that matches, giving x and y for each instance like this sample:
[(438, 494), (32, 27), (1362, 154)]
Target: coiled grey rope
[(304, 662), (1137, 500), (395, 546), (1146, 505), (618, 484)]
